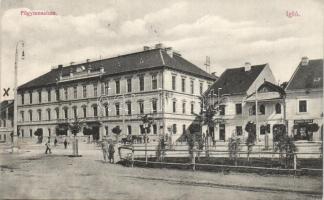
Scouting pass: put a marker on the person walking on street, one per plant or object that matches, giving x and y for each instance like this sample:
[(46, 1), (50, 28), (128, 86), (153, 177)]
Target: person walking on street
[(105, 148), (55, 142), (48, 147), (111, 153), (65, 143)]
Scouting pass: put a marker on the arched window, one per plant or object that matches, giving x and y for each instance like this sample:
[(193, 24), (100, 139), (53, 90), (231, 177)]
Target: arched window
[(262, 109), (278, 108), (65, 110)]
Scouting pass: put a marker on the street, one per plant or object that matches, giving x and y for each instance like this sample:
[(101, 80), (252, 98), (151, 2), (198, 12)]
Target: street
[(31, 174)]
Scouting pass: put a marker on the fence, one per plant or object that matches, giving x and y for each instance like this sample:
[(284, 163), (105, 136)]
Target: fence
[(212, 160)]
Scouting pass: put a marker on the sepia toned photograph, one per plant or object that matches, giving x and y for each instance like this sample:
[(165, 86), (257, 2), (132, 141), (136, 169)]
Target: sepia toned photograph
[(161, 100)]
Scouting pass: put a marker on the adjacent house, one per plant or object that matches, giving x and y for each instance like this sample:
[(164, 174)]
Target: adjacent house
[(6, 120), (304, 101)]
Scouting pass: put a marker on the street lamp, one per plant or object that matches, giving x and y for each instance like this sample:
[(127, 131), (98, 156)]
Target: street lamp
[(19, 46)]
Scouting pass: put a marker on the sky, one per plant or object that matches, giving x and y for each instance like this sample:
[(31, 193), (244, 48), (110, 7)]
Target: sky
[(230, 32)]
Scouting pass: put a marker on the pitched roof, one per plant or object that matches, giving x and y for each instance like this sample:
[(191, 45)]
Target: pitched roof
[(133, 62), (270, 87), (308, 76), (236, 80)]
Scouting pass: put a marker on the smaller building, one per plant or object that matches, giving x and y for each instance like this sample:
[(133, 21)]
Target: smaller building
[(305, 101), (6, 120)]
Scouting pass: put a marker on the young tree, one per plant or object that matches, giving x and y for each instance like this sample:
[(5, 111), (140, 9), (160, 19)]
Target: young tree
[(284, 144), (233, 148), (116, 130), (75, 127), (250, 141)]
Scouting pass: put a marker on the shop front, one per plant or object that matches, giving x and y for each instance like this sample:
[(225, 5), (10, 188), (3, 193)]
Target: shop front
[(305, 129)]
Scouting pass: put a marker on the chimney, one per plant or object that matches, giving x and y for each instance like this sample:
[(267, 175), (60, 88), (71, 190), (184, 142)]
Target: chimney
[(88, 60), (304, 61), (247, 66), (71, 73), (60, 66), (102, 69), (213, 73), (146, 48), (169, 51), (159, 46)]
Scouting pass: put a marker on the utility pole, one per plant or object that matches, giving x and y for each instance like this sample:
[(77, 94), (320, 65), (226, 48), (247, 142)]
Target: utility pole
[(20, 44)]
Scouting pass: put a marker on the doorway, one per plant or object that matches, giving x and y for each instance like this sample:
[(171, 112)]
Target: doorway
[(222, 132)]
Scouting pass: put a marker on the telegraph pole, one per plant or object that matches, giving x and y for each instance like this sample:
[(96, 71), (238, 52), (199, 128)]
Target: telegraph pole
[(20, 44)]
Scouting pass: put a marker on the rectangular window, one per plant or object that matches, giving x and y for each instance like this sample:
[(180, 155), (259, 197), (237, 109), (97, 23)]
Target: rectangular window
[(183, 129), (107, 130), (57, 113), (154, 106), (49, 114), (129, 108), (201, 87), (95, 90), (174, 109), (141, 82), (30, 132), (84, 91), (192, 109), (39, 96), (22, 116), (95, 111), (154, 82), (141, 107), (30, 116), (49, 132), (239, 130), (39, 115), (174, 128), (22, 98), (183, 85), (302, 106), (183, 107), (238, 107), (65, 93), (49, 98), (117, 86), (173, 82), (221, 109), (117, 109), (57, 93), (22, 133), (30, 97), (84, 112), (129, 85), (154, 129), (75, 112), (102, 88), (65, 113), (192, 86), (75, 92), (106, 87), (106, 110), (129, 130), (142, 130)]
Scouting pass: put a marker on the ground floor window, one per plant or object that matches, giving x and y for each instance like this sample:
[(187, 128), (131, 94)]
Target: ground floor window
[(106, 129), (129, 130), (304, 131), (222, 132)]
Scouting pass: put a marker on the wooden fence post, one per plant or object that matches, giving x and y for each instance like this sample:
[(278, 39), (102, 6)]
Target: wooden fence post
[(193, 161), (132, 157)]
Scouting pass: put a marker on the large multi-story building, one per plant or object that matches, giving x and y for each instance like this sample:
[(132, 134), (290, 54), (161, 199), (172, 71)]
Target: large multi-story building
[(305, 101), (112, 92), (6, 120)]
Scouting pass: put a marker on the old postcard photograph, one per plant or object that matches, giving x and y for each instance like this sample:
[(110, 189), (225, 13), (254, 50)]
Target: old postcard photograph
[(159, 100)]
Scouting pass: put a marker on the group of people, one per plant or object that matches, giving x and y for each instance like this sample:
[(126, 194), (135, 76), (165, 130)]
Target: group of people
[(48, 145), (108, 150)]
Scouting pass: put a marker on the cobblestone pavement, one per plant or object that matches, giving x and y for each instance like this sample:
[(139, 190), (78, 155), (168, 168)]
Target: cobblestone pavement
[(32, 174)]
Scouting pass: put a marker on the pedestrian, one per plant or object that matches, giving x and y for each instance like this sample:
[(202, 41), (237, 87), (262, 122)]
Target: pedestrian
[(55, 142), (105, 148), (111, 151), (48, 147), (65, 143)]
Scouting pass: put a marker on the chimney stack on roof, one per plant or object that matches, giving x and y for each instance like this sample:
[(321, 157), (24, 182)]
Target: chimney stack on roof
[(88, 60), (304, 61), (247, 66), (159, 46), (146, 48), (60, 66), (169, 51)]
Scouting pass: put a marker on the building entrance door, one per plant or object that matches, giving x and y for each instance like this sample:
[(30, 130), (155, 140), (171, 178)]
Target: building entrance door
[(95, 131), (222, 132)]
